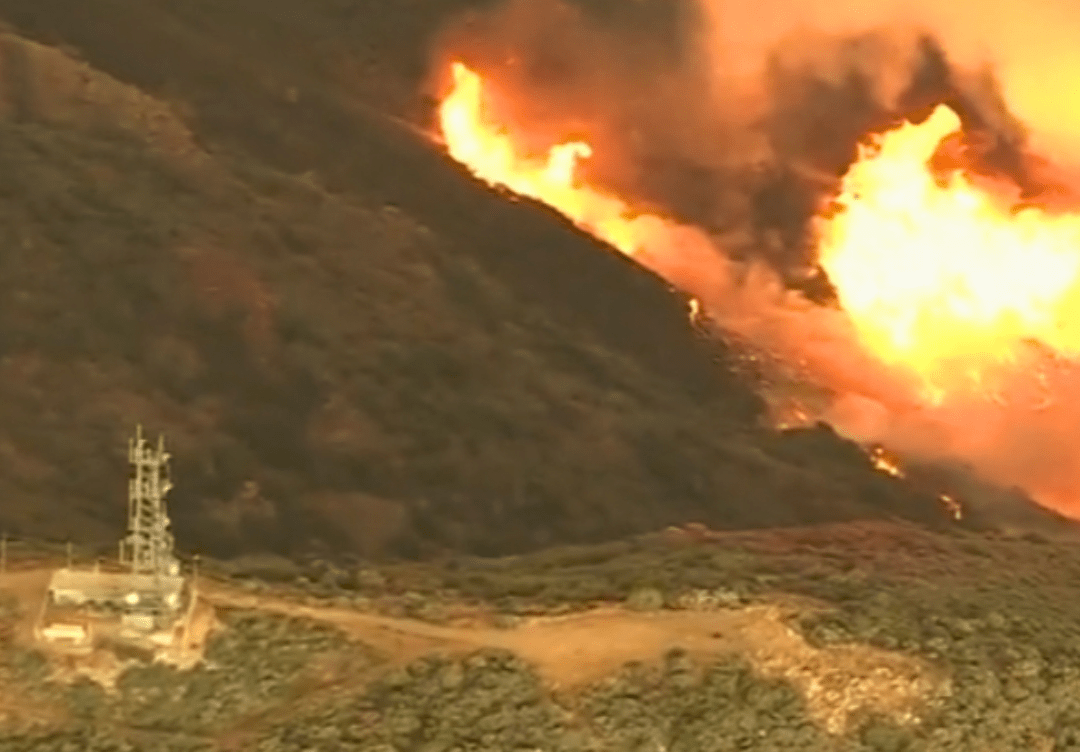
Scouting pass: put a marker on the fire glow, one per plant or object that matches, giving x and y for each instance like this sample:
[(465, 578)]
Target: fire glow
[(940, 278), (955, 305), (886, 464), (491, 154)]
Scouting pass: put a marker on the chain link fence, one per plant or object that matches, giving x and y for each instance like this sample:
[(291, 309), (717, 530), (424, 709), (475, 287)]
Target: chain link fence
[(21, 553)]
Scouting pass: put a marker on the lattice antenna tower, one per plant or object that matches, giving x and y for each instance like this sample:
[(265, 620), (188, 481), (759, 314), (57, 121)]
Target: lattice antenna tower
[(148, 547)]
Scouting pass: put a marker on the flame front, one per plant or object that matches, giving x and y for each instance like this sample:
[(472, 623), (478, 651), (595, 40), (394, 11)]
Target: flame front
[(952, 302), (940, 278), (490, 152)]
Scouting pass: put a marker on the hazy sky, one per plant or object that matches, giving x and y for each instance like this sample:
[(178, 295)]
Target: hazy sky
[(1034, 45)]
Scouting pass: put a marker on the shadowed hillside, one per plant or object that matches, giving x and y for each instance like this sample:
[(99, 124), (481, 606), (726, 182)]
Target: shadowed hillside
[(348, 342)]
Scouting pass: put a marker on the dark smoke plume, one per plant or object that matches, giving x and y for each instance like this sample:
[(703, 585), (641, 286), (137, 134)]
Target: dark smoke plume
[(756, 159)]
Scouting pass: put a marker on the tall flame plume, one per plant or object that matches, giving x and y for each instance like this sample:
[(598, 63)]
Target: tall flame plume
[(941, 277)]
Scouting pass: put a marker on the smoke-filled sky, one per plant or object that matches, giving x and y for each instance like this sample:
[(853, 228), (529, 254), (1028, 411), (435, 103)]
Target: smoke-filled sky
[(1031, 44)]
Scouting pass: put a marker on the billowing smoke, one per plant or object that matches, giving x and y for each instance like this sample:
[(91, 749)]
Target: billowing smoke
[(735, 121), (750, 145)]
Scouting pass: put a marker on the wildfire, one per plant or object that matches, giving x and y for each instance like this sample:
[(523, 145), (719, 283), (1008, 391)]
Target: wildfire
[(797, 419), (491, 154), (941, 284), (937, 275), (695, 311)]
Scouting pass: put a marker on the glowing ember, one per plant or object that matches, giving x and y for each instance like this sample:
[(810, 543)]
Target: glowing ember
[(789, 414), (953, 506), (695, 311), (940, 278), (886, 464)]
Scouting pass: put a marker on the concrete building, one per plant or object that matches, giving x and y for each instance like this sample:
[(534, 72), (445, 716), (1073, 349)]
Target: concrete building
[(74, 587)]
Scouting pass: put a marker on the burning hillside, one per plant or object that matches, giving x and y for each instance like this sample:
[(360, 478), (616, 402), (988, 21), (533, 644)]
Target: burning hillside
[(953, 336)]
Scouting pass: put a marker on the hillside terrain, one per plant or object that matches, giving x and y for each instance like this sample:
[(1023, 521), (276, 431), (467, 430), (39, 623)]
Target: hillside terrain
[(349, 344), (463, 478)]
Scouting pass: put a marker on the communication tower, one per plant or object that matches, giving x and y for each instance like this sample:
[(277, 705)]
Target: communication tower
[(148, 547)]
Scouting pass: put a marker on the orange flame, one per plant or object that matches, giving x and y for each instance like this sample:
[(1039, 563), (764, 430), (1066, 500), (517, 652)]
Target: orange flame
[(940, 278), (492, 155), (940, 283), (952, 506)]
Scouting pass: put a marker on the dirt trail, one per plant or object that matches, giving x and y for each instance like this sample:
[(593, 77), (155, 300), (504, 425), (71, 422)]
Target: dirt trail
[(17, 710), (28, 587), (566, 650), (572, 651)]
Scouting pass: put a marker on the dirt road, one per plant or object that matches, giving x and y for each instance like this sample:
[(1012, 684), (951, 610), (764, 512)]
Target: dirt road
[(575, 650)]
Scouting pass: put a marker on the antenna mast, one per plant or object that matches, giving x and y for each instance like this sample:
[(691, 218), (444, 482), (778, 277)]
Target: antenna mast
[(148, 548)]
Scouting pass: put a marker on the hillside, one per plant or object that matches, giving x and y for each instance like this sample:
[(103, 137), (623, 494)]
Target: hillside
[(348, 342), (462, 478)]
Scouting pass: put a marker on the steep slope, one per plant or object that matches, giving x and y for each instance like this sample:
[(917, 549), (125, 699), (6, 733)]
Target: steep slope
[(258, 83), (462, 372)]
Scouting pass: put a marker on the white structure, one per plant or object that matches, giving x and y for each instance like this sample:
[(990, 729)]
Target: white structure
[(74, 634), (75, 587), (153, 587), (148, 547)]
